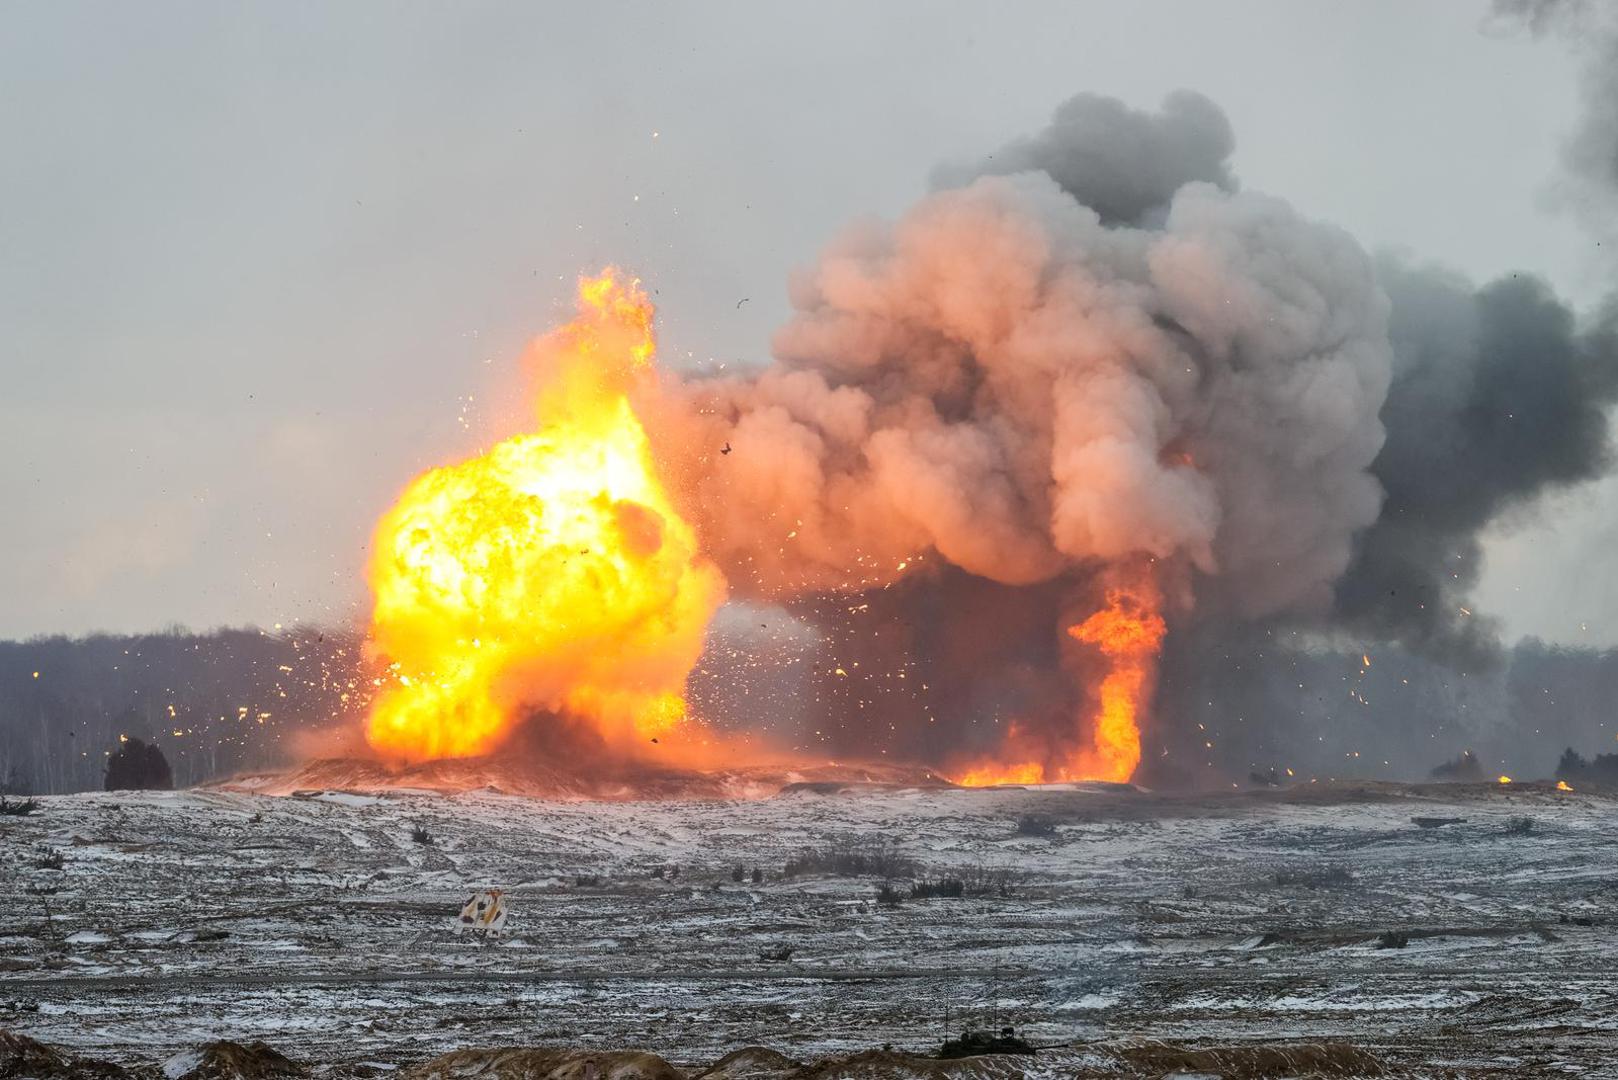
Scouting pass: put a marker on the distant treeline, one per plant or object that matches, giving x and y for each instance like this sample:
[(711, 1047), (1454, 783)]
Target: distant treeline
[(1387, 714), (215, 704), (235, 700)]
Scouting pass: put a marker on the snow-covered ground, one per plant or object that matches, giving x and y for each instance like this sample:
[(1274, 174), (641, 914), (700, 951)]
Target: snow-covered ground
[(319, 925)]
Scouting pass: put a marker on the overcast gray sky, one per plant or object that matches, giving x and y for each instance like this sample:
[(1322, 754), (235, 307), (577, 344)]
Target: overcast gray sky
[(255, 259)]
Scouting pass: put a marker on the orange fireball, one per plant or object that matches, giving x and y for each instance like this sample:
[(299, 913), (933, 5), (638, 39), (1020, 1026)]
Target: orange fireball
[(551, 573)]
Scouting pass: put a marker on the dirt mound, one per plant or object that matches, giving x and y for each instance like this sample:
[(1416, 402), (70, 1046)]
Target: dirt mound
[(534, 1064), (21, 1058), (226, 1060), (890, 1065), (751, 1063), (1254, 1062)]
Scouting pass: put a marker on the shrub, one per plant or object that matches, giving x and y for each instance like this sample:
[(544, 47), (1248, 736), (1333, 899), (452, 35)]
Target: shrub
[(974, 1043), (736, 874), (850, 858), (1520, 825), (887, 895), (758, 876), (1035, 825), (945, 888), (984, 881), (21, 808), (1466, 768), (419, 833), (49, 859), (138, 766), (1314, 877)]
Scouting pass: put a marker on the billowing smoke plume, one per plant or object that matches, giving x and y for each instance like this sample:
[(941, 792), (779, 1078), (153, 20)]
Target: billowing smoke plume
[(1002, 379), (1091, 349), (1015, 384)]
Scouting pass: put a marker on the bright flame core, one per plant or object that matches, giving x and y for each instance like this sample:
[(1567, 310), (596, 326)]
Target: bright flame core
[(551, 572), (1128, 631)]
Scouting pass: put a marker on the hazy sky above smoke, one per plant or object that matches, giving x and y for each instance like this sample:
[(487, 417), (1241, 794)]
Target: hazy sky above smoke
[(255, 261)]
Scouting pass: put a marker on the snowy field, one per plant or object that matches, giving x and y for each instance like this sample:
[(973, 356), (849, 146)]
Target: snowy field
[(135, 926)]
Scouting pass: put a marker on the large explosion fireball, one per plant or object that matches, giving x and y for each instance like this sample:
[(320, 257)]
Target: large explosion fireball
[(553, 575), (551, 572), (1085, 395)]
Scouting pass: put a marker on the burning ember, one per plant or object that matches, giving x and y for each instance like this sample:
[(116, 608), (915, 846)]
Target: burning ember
[(1504, 779), (551, 572)]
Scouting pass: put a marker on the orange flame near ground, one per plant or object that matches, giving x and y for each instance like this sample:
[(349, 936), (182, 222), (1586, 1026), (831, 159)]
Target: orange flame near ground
[(1128, 631), (551, 572)]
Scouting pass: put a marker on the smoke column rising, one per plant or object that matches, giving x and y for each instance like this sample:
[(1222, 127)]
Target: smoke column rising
[(1015, 384), (1089, 348)]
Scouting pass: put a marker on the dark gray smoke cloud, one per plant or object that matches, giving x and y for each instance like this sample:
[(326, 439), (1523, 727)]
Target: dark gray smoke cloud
[(1123, 163), (1497, 398), (1499, 394)]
